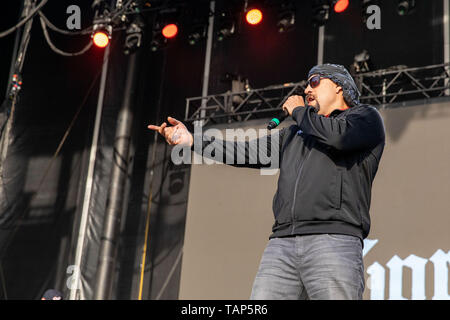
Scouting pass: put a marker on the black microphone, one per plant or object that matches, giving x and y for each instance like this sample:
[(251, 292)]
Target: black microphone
[(275, 122)]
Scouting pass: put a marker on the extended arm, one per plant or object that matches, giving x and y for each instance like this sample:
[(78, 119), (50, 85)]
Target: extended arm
[(255, 153)]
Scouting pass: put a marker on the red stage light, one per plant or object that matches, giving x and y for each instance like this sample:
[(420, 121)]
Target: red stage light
[(170, 30), (340, 6), (100, 39), (254, 16)]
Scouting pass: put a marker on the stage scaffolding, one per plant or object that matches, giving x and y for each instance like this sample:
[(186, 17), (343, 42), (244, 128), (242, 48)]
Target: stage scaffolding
[(379, 88)]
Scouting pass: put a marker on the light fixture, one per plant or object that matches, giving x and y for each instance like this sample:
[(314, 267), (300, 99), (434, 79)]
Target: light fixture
[(170, 30), (165, 28), (254, 16), (133, 39), (340, 6), (286, 16), (320, 12), (198, 33), (158, 41), (361, 62), (405, 7), (101, 35), (226, 26)]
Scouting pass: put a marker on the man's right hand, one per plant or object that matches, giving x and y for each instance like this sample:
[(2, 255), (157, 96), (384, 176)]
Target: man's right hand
[(293, 102), (176, 134)]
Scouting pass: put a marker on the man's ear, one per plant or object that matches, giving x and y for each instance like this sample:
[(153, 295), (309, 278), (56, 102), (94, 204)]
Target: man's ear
[(338, 89)]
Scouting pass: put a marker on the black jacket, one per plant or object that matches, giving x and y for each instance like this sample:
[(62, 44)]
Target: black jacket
[(327, 166)]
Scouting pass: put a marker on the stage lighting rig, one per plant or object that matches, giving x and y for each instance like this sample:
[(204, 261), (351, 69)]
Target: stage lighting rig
[(286, 16), (158, 41), (134, 35), (165, 28), (170, 30), (101, 34), (99, 5), (103, 25), (238, 84), (195, 19), (405, 7), (253, 16), (253, 13), (321, 12), (340, 6), (197, 34), (16, 85), (226, 26), (361, 62)]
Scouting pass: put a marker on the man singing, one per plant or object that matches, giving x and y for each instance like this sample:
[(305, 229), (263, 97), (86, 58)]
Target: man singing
[(328, 161)]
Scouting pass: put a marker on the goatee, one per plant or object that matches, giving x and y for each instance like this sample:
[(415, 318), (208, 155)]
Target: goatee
[(317, 106)]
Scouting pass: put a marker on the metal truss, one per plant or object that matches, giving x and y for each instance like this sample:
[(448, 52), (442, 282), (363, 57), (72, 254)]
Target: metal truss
[(400, 83), (240, 106), (378, 88)]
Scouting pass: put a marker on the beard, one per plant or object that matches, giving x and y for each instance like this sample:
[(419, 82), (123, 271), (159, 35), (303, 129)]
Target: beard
[(316, 106), (315, 103)]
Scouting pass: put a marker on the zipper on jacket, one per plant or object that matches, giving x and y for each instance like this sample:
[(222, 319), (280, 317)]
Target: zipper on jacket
[(295, 189)]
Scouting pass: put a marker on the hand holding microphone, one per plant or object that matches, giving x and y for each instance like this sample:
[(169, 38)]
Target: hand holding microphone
[(288, 107)]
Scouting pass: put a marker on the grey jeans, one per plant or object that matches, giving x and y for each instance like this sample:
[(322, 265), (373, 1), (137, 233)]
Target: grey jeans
[(321, 266)]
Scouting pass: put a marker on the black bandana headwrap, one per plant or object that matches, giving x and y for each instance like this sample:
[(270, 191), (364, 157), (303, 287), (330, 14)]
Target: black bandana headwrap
[(339, 75)]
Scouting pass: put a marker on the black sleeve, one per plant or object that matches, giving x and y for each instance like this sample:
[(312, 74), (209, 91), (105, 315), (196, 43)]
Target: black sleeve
[(255, 153), (360, 130)]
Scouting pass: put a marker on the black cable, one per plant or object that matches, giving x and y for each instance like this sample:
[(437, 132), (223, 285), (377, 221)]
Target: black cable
[(25, 20), (56, 29), (46, 23), (58, 51), (124, 8)]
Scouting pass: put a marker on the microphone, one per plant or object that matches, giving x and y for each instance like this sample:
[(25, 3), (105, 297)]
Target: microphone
[(275, 122)]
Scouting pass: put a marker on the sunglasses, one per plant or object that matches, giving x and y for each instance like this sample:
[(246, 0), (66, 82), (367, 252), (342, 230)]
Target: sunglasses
[(314, 81)]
